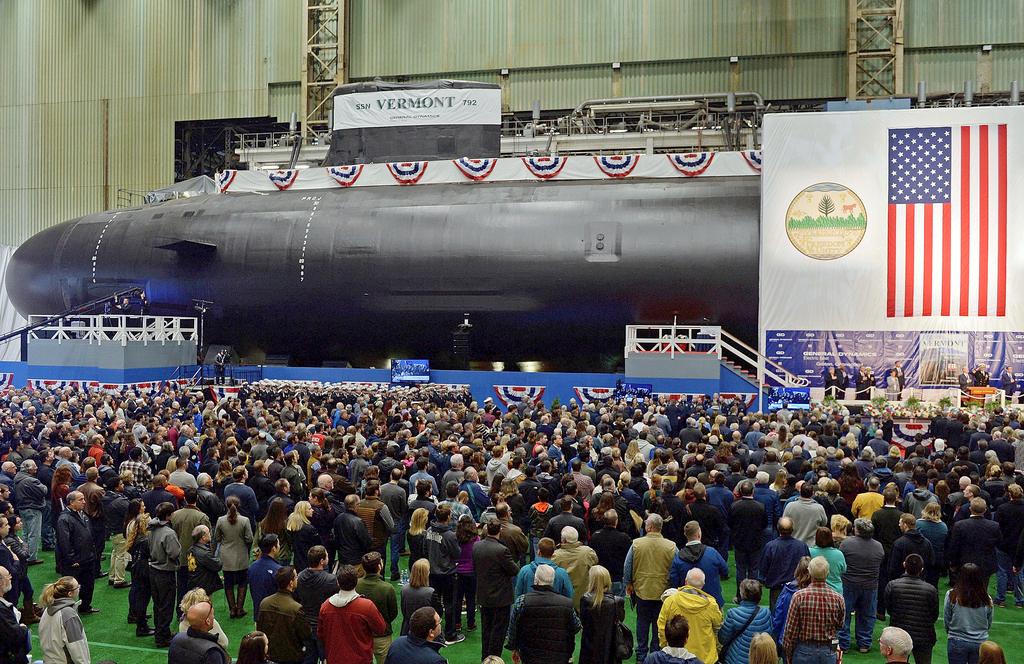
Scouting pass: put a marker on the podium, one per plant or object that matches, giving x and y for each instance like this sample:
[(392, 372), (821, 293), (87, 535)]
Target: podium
[(978, 395)]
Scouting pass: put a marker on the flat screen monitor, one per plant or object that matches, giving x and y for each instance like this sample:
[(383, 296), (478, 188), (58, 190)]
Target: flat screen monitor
[(410, 371), (793, 398)]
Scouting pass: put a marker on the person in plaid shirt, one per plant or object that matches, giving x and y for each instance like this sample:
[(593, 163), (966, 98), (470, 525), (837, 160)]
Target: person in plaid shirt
[(816, 615), (138, 469)]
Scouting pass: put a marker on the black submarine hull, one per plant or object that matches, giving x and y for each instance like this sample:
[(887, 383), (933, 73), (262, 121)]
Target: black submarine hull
[(546, 271)]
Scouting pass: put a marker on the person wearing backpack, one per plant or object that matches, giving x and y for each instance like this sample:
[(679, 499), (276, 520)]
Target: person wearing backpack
[(540, 514)]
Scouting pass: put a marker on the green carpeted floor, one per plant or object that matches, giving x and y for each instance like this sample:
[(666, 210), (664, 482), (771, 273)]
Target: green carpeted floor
[(111, 638)]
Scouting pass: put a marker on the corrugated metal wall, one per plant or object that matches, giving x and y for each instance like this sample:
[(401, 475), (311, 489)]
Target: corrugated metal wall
[(154, 63), (160, 61)]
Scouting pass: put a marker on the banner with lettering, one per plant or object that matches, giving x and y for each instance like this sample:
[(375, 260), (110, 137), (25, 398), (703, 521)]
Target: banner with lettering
[(415, 108), (929, 359)]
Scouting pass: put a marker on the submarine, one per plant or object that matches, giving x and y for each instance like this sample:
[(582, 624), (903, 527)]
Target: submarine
[(550, 271)]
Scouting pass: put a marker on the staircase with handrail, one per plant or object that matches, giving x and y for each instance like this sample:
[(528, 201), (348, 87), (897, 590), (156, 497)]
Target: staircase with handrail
[(732, 351)]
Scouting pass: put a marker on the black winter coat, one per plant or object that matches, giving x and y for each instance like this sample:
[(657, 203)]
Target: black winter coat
[(115, 507), (302, 540), (747, 521), (495, 572), (713, 528), (611, 546), (1010, 517), (546, 630), (352, 538), (914, 606), (912, 541), (14, 638), (598, 643), (203, 568), (75, 547)]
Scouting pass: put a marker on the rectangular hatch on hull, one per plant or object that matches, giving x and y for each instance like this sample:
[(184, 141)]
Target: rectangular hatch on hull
[(189, 248)]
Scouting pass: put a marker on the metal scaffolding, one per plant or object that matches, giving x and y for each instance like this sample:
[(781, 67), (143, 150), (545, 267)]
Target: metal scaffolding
[(325, 61), (875, 49)]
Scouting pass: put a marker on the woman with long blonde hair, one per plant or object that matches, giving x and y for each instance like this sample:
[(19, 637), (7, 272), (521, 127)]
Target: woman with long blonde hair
[(136, 534), (61, 633), (600, 612), (302, 535), (417, 528), (418, 593)]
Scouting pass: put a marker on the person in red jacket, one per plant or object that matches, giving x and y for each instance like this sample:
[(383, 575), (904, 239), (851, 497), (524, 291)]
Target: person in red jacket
[(348, 623)]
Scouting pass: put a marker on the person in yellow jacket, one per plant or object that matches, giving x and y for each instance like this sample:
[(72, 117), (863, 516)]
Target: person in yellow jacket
[(700, 610)]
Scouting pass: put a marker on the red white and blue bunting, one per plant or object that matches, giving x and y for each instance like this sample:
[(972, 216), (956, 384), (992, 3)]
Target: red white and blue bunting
[(57, 385), (475, 169), (83, 385), (545, 168), (753, 159), (588, 394), (748, 398), (284, 180), (224, 180), (408, 172), (509, 169), (225, 391), (904, 431), (691, 164), (617, 166), (509, 394), (346, 176), (6, 380)]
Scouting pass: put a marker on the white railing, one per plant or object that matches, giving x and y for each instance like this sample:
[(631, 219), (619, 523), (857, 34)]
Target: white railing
[(673, 339), (999, 397), (707, 339), (102, 329)]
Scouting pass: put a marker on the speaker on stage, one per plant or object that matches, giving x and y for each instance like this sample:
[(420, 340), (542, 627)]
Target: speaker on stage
[(213, 350)]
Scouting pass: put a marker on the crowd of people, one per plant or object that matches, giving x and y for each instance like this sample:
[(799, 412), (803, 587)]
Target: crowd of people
[(535, 525)]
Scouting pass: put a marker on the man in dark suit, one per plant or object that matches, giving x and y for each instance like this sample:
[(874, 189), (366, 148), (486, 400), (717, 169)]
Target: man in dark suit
[(76, 549), (863, 384), (1008, 381), (974, 540), (965, 379), (981, 376), (496, 571)]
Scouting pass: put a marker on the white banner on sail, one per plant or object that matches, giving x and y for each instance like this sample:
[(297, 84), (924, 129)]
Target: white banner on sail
[(414, 108)]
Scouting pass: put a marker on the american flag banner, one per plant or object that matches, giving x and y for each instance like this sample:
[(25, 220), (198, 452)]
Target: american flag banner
[(947, 221)]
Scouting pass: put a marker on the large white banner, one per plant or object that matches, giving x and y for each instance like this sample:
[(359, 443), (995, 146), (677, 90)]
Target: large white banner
[(903, 220), (411, 108)]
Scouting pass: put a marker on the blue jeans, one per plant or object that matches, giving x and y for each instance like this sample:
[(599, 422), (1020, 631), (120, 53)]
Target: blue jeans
[(1006, 578), (33, 531), (397, 539), (49, 534), (647, 611), (813, 653), (960, 651), (314, 652), (863, 602)]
